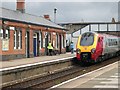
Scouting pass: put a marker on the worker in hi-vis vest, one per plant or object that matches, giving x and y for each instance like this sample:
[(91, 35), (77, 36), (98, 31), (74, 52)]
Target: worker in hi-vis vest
[(50, 48)]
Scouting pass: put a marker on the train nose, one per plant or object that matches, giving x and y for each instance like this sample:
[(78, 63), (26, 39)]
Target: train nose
[(86, 56)]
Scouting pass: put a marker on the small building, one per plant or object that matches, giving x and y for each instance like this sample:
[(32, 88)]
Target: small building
[(24, 35)]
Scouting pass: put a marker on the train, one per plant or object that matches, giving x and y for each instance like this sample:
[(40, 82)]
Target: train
[(94, 47)]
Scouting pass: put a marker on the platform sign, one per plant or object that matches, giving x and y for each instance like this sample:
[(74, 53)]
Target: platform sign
[(5, 44)]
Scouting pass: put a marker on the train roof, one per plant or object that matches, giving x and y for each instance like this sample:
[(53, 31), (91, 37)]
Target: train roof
[(102, 34)]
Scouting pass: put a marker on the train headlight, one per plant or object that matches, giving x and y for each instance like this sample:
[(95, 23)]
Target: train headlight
[(93, 50), (78, 51)]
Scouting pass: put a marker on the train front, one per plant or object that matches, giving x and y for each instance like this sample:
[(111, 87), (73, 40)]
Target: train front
[(86, 47)]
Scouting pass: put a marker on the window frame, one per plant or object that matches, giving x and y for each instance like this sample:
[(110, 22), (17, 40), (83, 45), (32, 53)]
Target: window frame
[(18, 38), (1, 33)]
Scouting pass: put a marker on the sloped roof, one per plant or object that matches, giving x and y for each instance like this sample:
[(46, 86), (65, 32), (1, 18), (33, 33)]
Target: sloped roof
[(27, 18)]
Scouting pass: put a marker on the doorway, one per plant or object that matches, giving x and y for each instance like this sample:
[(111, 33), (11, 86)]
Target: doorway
[(35, 44), (60, 43), (27, 44)]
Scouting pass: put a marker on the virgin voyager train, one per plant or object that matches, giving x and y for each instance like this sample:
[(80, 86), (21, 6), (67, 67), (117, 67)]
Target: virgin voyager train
[(94, 47)]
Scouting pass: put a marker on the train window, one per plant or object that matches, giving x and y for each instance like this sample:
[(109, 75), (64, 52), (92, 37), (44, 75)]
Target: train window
[(115, 42), (87, 39), (109, 42), (112, 42)]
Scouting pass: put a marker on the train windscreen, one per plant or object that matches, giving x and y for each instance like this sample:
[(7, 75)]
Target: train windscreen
[(87, 39)]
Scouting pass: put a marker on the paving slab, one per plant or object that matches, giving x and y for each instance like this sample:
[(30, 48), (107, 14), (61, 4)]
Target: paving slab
[(24, 61)]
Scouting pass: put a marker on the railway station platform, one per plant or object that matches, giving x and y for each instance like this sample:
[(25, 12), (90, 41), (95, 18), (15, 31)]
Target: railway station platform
[(25, 61), (103, 78)]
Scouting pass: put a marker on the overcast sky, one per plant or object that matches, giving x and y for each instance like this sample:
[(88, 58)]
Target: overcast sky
[(72, 11)]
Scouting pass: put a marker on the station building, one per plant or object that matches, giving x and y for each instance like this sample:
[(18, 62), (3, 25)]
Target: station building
[(24, 35)]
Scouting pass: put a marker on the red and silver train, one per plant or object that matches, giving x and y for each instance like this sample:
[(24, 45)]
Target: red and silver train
[(94, 47)]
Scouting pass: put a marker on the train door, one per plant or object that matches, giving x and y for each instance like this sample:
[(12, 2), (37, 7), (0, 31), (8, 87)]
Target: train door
[(27, 44), (100, 45), (35, 44)]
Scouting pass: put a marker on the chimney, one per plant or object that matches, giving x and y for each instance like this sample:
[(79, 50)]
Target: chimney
[(21, 5), (47, 17)]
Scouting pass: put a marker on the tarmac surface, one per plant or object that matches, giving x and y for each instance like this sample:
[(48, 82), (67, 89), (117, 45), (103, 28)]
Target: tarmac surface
[(25, 61)]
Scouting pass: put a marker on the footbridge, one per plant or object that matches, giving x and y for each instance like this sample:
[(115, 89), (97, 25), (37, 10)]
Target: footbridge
[(112, 28)]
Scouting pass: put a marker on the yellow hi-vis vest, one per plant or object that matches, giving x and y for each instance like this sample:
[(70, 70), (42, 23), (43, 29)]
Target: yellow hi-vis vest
[(49, 46)]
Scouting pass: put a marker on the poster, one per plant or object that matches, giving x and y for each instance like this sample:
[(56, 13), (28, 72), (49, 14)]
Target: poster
[(5, 44)]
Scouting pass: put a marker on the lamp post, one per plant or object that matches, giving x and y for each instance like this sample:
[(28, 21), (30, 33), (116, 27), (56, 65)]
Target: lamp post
[(55, 11)]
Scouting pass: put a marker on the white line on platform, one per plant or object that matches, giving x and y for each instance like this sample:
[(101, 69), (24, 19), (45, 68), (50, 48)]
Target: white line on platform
[(112, 79), (111, 82), (114, 76), (81, 76), (22, 66), (105, 86), (99, 79)]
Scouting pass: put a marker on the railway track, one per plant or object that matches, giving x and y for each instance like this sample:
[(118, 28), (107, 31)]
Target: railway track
[(47, 81)]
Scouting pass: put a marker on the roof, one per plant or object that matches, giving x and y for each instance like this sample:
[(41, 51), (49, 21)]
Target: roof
[(13, 15)]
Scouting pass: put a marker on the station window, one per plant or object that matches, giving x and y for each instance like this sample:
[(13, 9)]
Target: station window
[(40, 34), (7, 34), (57, 40), (4, 33), (1, 33), (20, 40), (53, 43), (15, 34), (62, 39), (43, 44), (41, 39), (49, 37), (17, 39)]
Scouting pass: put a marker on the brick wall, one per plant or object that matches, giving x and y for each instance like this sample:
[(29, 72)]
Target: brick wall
[(21, 53)]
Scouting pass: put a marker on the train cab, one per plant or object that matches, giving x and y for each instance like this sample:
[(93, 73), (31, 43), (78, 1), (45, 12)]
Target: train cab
[(89, 47), (94, 47)]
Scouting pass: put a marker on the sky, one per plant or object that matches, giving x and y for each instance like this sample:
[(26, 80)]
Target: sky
[(70, 10), (119, 15)]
